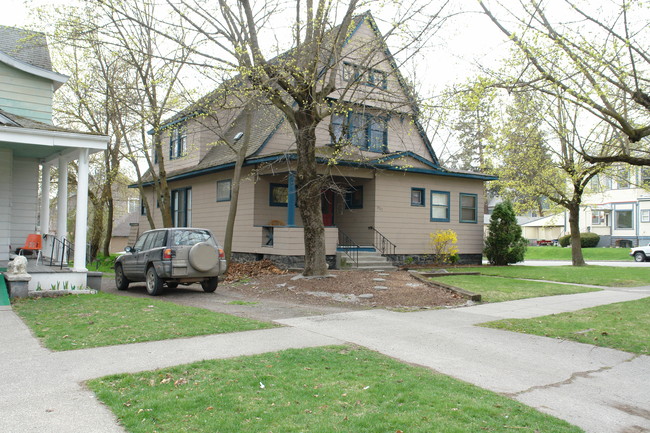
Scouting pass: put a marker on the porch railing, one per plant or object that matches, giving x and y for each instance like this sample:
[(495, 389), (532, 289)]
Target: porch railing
[(61, 249), (349, 247), (381, 243)]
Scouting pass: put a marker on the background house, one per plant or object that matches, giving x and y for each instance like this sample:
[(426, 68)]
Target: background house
[(29, 142)]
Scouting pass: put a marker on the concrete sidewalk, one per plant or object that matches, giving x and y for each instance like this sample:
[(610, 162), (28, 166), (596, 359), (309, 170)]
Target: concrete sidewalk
[(601, 390)]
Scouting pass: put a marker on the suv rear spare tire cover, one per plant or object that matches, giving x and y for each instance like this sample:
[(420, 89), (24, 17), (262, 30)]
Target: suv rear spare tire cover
[(203, 257)]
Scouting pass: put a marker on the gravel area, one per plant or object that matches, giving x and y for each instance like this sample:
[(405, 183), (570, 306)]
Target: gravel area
[(360, 289)]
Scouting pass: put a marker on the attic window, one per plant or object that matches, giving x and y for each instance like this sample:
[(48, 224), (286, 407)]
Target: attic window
[(368, 76)]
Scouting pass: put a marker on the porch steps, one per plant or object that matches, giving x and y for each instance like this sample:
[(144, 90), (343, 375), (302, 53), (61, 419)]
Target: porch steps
[(370, 259)]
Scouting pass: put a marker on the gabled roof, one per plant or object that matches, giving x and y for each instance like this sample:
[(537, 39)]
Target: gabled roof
[(27, 51), (267, 120)]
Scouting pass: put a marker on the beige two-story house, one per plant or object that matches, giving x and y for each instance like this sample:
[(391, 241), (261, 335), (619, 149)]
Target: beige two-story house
[(385, 190)]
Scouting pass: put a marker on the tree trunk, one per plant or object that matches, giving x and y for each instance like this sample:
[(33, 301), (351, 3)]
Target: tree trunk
[(574, 225), (232, 211), (309, 196)]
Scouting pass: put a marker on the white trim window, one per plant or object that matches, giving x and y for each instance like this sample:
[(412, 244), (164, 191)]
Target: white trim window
[(645, 215)]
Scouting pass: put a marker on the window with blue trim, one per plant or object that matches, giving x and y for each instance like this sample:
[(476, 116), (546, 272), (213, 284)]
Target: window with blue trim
[(417, 197), (468, 208), (440, 206), (279, 194), (354, 198), (365, 131), (367, 76), (224, 190), (178, 142)]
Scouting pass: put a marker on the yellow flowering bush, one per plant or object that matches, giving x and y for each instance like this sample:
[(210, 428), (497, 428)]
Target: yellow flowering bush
[(443, 244)]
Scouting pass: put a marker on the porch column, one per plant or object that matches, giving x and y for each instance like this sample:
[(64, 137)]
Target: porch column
[(62, 202), (291, 200), (45, 199), (81, 221)]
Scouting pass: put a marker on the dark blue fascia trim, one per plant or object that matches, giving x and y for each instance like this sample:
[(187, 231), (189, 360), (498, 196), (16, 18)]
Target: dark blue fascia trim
[(320, 160), (410, 154)]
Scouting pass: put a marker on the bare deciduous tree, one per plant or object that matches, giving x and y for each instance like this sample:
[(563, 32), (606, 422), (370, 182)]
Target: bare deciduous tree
[(593, 55)]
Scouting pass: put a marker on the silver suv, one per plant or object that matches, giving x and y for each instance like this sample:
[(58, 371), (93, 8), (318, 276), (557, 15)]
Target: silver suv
[(172, 256)]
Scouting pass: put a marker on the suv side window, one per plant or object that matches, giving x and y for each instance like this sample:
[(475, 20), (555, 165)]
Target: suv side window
[(149, 241), (139, 244), (157, 240)]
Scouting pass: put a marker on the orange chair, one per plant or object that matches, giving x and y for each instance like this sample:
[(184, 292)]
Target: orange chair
[(33, 243)]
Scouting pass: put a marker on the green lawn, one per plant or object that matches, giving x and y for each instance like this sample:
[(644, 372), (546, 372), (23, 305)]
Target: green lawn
[(318, 390), (623, 326), (595, 275), (497, 289), (559, 253), (82, 321)]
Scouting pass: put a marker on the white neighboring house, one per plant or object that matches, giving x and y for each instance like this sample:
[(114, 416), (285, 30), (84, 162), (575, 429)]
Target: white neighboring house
[(617, 209), (620, 212), (30, 145)]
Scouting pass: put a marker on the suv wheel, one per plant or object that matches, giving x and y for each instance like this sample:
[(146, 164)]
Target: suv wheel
[(639, 256), (154, 283), (210, 285), (121, 282)]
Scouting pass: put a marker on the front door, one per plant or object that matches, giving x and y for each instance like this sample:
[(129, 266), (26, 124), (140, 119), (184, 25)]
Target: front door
[(327, 207)]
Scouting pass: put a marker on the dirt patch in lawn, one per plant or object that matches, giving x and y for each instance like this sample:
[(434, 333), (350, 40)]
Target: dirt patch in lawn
[(352, 288)]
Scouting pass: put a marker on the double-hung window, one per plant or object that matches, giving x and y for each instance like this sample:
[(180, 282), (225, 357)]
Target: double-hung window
[(440, 206), (468, 208), (178, 142), (182, 207), (224, 190)]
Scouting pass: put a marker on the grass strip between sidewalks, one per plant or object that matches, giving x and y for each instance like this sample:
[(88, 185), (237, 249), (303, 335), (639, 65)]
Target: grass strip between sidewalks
[(318, 390), (83, 321), (497, 289), (595, 275), (623, 326)]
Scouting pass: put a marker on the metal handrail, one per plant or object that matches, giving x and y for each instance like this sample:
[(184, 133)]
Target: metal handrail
[(349, 247), (382, 243), (60, 245)]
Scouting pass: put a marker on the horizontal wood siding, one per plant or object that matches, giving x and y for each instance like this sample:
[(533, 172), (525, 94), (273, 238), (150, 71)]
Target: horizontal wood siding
[(409, 226), (24, 203), (6, 195), (25, 94)]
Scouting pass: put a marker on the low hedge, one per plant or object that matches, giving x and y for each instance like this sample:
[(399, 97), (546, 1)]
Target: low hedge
[(587, 240)]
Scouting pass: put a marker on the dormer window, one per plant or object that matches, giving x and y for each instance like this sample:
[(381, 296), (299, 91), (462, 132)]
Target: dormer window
[(368, 76), (178, 142)]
